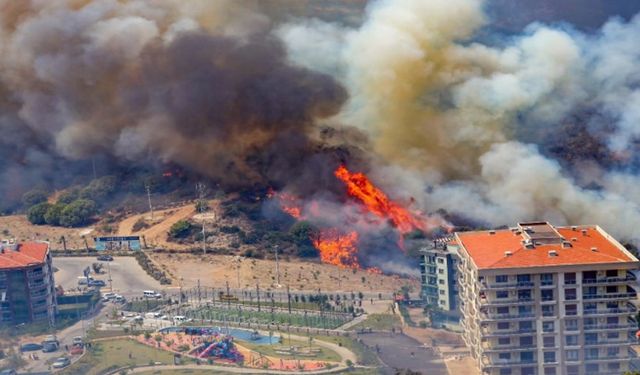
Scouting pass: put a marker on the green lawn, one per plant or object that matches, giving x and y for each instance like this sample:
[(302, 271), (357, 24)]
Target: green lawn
[(113, 354), (323, 355), (379, 322), (365, 356)]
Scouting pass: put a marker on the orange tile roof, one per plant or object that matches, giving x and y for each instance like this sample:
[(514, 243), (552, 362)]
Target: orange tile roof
[(27, 253), (487, 250)]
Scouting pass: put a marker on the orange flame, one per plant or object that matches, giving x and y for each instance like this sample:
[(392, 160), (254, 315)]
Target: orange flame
[(376, 201), (338, 249), (289, 203)]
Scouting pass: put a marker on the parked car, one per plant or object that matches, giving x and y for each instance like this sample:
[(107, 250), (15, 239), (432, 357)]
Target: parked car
[(179, 319), (98, 283), (61, 362), (77, 340), (119, 299), (105, 258), (83, 280), (9, 371), (30, 347), (138, 318), (151, 294), (108, 296), (49, 347)]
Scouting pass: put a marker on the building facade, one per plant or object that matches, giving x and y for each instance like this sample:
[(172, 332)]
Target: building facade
[(539, 299), (438, 269), (27, 288)]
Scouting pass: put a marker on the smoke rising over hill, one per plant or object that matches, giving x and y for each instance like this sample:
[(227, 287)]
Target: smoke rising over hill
[(413, 96)]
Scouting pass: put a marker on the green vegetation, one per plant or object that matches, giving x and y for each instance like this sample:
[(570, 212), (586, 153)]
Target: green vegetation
[(33, 197), (322, 354), (302, 234), (328, 320), (78, 213), (36, 213), (378, 322), (151, 269), (109, 355), (365, 355), (52, 216), (181, 229)]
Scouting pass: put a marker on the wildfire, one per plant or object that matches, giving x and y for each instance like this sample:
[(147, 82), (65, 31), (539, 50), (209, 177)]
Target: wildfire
[(338, 249), (376, 201), (289, 203)]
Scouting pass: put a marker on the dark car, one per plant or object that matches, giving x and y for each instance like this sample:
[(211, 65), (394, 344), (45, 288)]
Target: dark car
[(30, 347), (105, 258), (96, 283), (49, 347), (8, 372)]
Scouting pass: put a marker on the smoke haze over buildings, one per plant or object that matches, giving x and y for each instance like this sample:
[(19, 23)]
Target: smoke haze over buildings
[(414, 94)]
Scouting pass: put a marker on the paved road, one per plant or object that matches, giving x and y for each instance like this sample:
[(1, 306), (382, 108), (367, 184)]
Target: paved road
[(127, 276), (395, 352)]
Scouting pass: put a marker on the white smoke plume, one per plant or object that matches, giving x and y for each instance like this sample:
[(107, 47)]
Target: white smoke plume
[(443, 109)]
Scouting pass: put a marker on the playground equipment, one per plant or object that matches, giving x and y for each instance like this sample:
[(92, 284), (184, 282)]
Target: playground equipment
[(217, 345)]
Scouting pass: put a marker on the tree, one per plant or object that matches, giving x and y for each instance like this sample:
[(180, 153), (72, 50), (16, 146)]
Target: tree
[(69, 195), (77, 213), (36, 213), (33, 197), (100, 188), (302, 233), (52, 216), (180, 229)]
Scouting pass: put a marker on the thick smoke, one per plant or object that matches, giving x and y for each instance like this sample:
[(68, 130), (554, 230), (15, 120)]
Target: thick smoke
[(446, 111), (202, 84)]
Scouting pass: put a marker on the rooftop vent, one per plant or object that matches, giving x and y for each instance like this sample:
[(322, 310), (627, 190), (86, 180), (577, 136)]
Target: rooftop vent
[(553, 253), (574, 228), (584, 232), (492, 232), (508, 253), (594, 249), (566, 244), (574, 239)]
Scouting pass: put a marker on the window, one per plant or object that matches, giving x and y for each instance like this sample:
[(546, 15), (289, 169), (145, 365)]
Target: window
[(591, 291), (613, 352), (573, 355), (589, 275), (589, 321), (549, 342), (504, 356), (505, 371), (522, 279), (571, 310), (440, 271), (524, 295), (570, 294), (570, 278), (503, 310), (612, 273), (442, 292), (571, 340), (592, 368), (504, 341), (528, 370), (502, 294), (573, 370), (571, 324), (547, 327), (613, 335), (612, 305), (443, 302), (526, 341), (441, 282), (440, 260), (549, 357), (502, 278), (546, 294), (613, 366), (526, 357), (591, 353), (525, 326), (612, 320), (525, 309), (590, 306), (546, 279), (503, 325), (548, 310), (612, 289), (590, 337), (549, 371)]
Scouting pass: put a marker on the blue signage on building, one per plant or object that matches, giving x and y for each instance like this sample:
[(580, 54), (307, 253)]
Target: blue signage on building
[(117, 243)]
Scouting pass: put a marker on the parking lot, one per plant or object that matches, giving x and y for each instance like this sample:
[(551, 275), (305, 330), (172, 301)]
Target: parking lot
[(128, 278)]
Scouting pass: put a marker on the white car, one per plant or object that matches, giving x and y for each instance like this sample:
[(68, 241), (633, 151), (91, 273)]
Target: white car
[(119, 299), (61, 362), (77, 340), (108, 296), (179, 319), (129, 314)]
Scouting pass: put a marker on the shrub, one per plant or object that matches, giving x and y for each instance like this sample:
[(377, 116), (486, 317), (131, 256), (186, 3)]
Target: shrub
[(69, 196), (36, 213), (100, 188), (53, 214), (139, 225), (180, 229), (202, 205), (33, 197), (77, 213)]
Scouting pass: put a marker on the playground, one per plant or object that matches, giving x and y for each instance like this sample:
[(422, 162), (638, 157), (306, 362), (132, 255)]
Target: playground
[(212, 346)]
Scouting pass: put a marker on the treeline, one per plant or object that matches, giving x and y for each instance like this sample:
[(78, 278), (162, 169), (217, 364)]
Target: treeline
[(75, 207)]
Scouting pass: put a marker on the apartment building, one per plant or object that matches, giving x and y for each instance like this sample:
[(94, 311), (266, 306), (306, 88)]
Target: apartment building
[(438, 269), (27, 289), (539, 299)]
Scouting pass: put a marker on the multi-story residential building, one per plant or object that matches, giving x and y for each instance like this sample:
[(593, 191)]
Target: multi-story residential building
[(438, 269), (27, 289), (539, 299)]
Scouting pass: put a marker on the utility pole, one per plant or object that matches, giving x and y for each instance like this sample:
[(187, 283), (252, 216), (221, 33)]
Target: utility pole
[(258, 294), (277, 269), (201, 192), (110, 281), (148, 188)]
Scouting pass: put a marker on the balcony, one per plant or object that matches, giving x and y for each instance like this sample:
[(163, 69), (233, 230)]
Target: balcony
[(616, 342), (515, 347), (495, 316), (34, 275), (506, 333), (511, 301), (523, 284), (623, 311), (611, 280), (605, 327), (609, 297), (487, 363), (606, 358)]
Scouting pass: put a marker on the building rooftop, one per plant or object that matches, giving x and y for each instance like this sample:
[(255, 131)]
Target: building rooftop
[(22, 254), (539, 244)]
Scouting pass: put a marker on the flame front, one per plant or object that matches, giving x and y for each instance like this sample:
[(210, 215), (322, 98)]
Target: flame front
[(338, 249), (376, 201)]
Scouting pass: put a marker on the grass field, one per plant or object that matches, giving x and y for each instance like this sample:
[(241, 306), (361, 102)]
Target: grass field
[(110, 355), (323, 354), (328, 320), (378, 322)]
